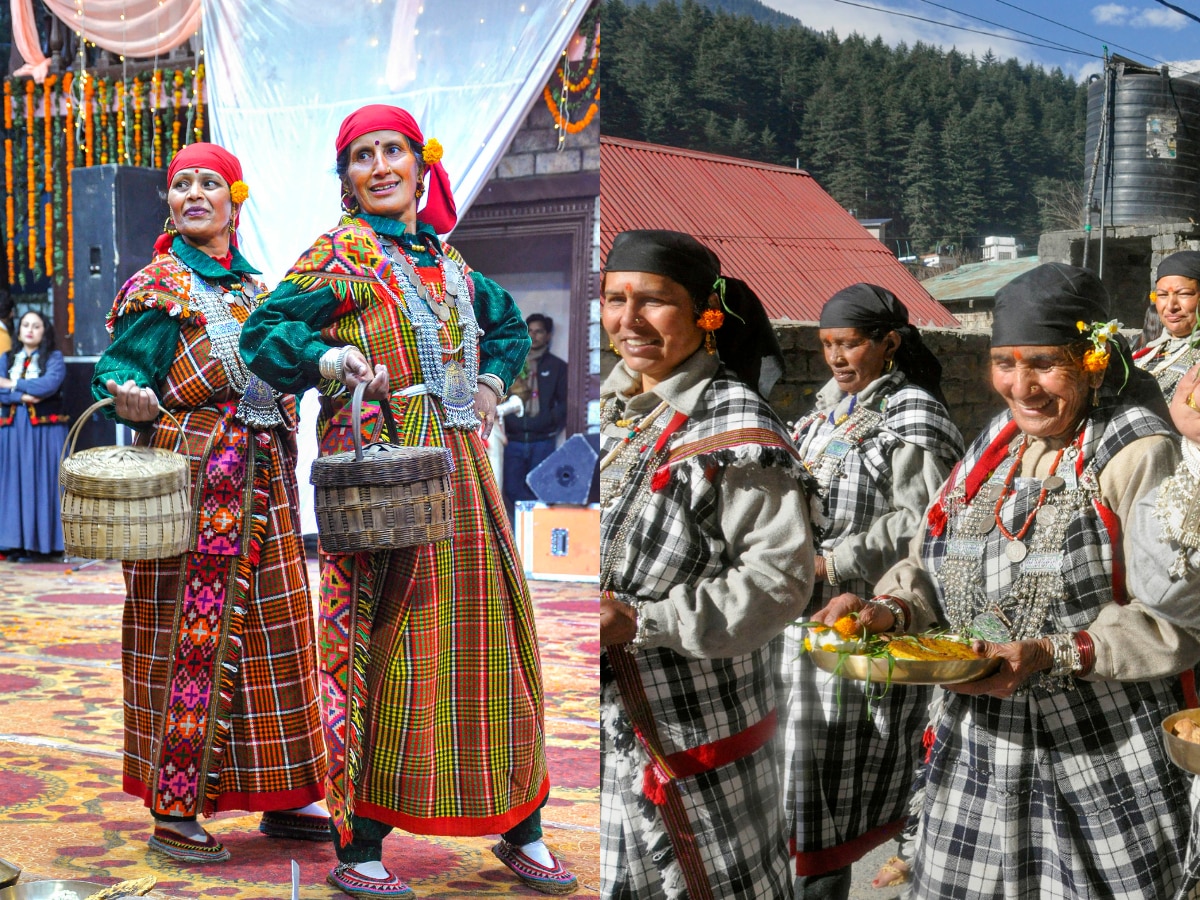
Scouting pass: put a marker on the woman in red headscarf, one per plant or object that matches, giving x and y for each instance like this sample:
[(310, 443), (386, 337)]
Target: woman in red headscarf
[(217, 644), (442, 660)]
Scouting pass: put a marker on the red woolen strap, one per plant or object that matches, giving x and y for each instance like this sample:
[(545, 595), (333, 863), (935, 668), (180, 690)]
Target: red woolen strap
[(1087, 652)]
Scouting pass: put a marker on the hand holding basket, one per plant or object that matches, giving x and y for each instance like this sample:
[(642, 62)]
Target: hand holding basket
[(383, 496)]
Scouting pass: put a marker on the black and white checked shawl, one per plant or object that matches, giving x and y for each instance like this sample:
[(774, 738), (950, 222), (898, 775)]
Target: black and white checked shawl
[(1168, 379), (847, 771), (735, 810), (1055, 793)]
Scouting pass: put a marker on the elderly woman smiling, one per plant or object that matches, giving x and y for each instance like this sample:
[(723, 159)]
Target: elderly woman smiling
[(705, 554), (1176, 295), (1049, 778)]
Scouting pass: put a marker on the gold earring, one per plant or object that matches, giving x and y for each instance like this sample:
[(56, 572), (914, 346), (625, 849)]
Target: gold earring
[(232, 226), (710, 342), (349, 203), (419, 192), (169, 226), (891, 364)]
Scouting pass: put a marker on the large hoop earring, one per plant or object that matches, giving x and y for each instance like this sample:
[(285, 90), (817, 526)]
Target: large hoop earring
[(349, 203), (169, 226), (891, 364)]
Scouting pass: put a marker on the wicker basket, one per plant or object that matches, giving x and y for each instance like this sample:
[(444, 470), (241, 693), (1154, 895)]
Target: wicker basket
[(382, 496), (124, 502)]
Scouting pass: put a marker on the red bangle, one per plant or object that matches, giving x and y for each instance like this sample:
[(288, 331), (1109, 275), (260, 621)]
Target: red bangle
[(1087, 652)]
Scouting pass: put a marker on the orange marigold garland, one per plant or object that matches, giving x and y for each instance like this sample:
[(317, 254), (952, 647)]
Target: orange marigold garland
[(198, 102), (176, 120), (573, 93), (122, 154), (10, 229), (68, 220), (48, 167), (32, 207), (89, 129), (103, 98), (155, 103), (135, 96)]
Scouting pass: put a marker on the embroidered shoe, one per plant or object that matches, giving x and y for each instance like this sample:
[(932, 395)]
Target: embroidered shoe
[(345, 879), (186, 849), (547, 880), (295, 826)]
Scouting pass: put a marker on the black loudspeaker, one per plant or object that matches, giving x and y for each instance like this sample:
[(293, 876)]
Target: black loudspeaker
[(118, 212), (100, 431), (565, 476)]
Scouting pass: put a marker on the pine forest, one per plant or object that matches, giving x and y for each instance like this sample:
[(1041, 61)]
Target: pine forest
[(951, 147)]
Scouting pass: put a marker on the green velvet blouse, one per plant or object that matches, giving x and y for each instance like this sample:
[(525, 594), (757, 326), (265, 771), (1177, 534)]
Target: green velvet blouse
[(281, 341), (145, 342)]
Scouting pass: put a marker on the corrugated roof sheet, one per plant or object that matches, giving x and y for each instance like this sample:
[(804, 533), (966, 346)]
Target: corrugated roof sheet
[(772, 226), (976, 281)]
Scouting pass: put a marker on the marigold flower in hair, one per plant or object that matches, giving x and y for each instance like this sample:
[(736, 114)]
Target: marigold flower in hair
[(239, 191), (711, 320), (432, 154), (1099, 333)]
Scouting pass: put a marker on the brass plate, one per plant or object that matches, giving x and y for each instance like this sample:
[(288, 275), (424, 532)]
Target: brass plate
[(905, 671)]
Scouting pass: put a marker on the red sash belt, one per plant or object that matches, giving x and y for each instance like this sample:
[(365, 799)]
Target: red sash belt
[(704, 758)]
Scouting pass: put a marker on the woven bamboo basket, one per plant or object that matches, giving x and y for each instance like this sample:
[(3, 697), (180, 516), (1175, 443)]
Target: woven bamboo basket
[(383, 496), (124, 502)]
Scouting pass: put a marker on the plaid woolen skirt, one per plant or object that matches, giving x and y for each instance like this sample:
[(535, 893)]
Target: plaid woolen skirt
[(274, 757), (453, 734)]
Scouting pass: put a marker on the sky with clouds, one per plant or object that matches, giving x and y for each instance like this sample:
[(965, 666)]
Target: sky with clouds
[(1069, 34)]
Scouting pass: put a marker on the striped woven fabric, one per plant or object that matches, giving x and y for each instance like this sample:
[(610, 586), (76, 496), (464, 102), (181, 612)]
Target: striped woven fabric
[(274, 757), (450, 738)]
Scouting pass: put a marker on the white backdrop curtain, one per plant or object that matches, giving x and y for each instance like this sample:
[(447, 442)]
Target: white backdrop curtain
[(128, 27), (282, 76)]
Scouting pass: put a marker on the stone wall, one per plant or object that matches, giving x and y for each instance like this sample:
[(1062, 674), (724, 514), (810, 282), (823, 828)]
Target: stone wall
[(534, 148), (965, 381)]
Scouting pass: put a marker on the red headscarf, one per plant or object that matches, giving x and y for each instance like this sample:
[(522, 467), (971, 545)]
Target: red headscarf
[(439, 210), (202, 155)]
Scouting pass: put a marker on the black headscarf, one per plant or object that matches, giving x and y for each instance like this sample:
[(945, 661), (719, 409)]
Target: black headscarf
[(1042, 308), (875, 311), (1182, 262), (746, 341)]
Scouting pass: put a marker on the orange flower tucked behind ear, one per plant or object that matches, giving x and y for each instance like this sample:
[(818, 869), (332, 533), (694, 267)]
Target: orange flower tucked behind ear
[(711, 320)]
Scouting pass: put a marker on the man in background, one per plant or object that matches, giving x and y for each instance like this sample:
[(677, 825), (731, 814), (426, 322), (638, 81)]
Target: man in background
[(542, 387)]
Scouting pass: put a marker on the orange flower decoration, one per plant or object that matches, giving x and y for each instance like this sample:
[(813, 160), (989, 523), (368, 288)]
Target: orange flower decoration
[(711, 320), (1095, 360), (239, 191)]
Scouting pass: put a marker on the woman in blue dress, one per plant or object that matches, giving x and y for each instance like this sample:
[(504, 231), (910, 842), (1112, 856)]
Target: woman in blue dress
[(32, 431)]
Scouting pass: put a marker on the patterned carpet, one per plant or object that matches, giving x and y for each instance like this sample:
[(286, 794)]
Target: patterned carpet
[(63, 815)]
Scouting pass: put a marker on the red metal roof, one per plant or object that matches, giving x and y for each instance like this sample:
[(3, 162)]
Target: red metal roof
[(773, 227)]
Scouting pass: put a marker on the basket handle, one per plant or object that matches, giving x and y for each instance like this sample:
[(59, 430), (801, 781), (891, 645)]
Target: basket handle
[(356, 419), (73, 435)]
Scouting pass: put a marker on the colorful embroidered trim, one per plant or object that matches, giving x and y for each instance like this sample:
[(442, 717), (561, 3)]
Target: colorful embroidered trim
[(344, 645), (206, 654), (554, 879), (157, 286), (185, 849), (346, 879)]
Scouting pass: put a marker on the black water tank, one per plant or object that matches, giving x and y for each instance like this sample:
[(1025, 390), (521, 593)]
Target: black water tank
[(1154, 149)]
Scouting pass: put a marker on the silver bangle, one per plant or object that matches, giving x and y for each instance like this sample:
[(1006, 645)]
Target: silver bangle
[(831, 574), (897, 611), (640, 637), (333, 362), (1065, 655), (494, 382)]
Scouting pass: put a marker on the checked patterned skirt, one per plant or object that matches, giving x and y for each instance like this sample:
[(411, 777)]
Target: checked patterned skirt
[(220, 691)]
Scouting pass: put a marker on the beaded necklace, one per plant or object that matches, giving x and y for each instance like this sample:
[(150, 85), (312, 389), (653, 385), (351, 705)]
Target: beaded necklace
[(434, 294), (649, 428), (453, 380), (1016, 549)]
